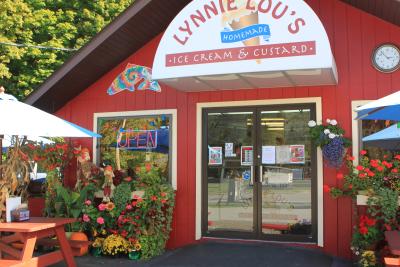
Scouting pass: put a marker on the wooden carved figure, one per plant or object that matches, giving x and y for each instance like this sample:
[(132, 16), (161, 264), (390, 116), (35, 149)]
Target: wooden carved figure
[(108, 186)]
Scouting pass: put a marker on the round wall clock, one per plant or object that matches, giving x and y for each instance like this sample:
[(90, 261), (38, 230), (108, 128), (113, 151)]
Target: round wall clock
[(386, 58)]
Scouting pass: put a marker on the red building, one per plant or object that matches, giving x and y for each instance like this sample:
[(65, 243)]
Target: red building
[(239, 82)]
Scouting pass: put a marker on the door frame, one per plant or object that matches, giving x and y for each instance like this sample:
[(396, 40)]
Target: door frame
[(252, 104)]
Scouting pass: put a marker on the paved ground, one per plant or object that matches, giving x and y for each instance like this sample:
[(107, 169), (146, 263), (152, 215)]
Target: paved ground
[(226, 254)]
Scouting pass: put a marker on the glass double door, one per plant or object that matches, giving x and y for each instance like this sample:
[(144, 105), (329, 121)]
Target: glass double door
[(259, 173)]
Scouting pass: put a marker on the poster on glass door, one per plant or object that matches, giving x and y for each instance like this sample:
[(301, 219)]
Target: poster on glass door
[(297, 154), (214, 155), (246, 155)]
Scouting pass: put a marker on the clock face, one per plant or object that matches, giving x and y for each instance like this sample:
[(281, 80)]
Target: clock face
[(386, 58)]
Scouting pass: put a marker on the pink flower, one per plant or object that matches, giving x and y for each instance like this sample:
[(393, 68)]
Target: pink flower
[(88, 202), (102, 207), (86, 218), (128, 207), (100, 220)]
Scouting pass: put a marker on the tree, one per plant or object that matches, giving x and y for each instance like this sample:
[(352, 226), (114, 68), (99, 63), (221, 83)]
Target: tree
[(49, 23)]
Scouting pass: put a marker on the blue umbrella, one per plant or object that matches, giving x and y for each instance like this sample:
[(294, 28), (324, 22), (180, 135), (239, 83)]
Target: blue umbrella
[(386, 108), (388, 138)]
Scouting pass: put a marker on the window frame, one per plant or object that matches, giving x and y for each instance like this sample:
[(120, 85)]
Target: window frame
[(356, 129), (145, 113)]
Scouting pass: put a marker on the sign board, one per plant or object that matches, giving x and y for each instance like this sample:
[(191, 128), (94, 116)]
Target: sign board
[(137, 139), (221, 37)]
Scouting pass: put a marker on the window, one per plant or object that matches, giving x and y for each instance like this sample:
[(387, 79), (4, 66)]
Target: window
[(135, 139), (363, 128)]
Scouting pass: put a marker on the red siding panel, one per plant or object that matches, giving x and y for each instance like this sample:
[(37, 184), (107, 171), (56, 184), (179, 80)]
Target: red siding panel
[(353, 35)]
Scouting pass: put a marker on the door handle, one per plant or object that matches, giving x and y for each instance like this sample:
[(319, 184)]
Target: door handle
[(261, 174)]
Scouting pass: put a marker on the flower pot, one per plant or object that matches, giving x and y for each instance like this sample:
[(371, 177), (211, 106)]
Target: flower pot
[(363, 199), (79, 236), (96, 251), (134, 255)]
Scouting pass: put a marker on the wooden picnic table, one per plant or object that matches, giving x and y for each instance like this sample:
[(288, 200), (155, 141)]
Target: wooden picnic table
[(28, 233)]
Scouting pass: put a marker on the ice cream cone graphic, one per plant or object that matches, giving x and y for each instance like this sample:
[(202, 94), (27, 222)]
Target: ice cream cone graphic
[(242, 18), (245, 21)]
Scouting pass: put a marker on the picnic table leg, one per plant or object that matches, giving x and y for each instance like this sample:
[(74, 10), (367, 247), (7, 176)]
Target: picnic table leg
[(29, 241), (64, 246)]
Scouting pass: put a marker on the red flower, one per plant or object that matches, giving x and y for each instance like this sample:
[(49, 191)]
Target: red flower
[(163, 194), (362, 175), (350, 186), (363, 152), (363, 230), (360, 168), (395, 171), (371, 174), (370, 222), (339, 176), (163, 201), (154, 198), (379, 168), (31, 146), (397, 157), (351, 158), (327, 189), (148, 167), (387, 164), (374, 163), (128, 179)]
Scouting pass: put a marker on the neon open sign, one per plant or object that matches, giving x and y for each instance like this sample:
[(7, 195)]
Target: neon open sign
[(137, 139)]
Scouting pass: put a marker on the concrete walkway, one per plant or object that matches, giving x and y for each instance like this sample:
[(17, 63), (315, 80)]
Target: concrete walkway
[(226, 254)]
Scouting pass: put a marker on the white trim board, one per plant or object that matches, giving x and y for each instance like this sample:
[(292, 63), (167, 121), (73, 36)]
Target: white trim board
[(174, 125), (355, 128), (266, 102)]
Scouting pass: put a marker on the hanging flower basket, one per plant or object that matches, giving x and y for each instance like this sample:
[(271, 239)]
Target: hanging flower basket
[(331, 140)]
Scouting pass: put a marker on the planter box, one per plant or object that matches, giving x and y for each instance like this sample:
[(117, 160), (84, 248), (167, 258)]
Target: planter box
[(362, 200)]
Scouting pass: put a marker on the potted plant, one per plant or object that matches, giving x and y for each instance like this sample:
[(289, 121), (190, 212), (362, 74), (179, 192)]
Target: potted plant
[(330, 138), (376, 183), (69, 204)]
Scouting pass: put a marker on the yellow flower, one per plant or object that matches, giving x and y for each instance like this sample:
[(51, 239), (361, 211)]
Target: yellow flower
[(138, 247), (98, 242)]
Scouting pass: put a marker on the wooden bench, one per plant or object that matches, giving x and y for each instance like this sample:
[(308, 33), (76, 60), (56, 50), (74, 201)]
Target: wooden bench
[(76, 245), (393, 240), (10, 263)]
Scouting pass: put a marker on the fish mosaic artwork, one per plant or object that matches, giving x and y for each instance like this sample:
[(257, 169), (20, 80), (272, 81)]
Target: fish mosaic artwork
[(134, 77)]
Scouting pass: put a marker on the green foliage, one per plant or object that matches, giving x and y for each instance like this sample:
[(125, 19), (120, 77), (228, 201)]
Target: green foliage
[(121, 195), (384, 205), (151, 246), (69, 204), (55, 23)]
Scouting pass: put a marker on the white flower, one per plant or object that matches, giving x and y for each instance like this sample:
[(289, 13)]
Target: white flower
[(326, 131), (331, 135), (328, 121), (312, 124), (333, 122)]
